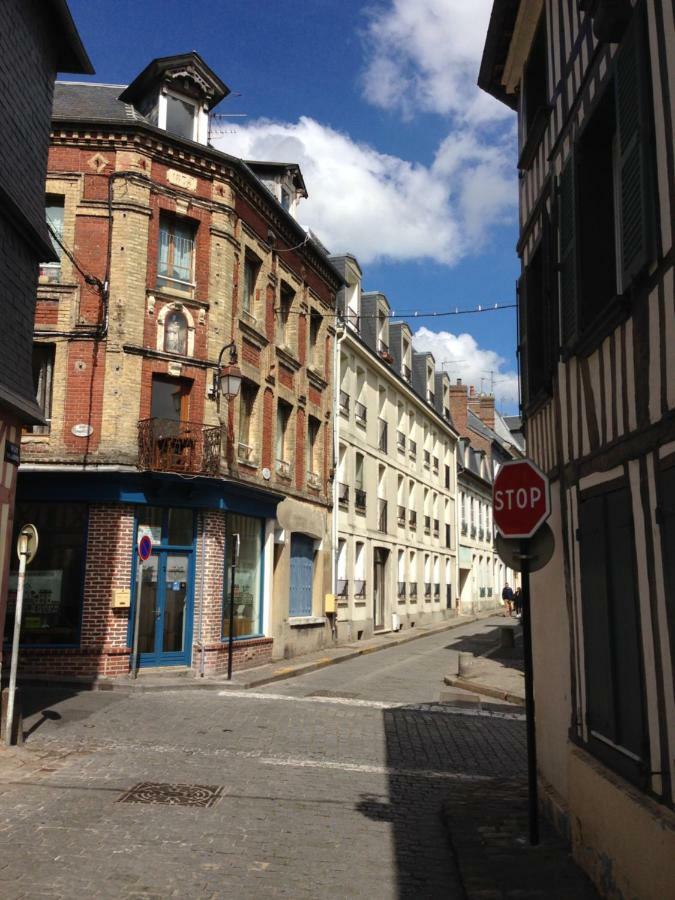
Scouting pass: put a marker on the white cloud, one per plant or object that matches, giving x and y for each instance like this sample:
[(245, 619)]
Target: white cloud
[(424, 56), (382, 207), (475, 365)]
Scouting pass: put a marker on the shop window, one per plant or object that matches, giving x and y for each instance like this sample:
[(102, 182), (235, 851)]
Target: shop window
[(247, 576), (54, 206), (176, 252), (615, 711), (607, 199), (176, 333), (43, 379), (52, 604)]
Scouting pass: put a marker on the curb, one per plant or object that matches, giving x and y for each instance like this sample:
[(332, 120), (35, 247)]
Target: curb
[(477, 688), (191, 684)]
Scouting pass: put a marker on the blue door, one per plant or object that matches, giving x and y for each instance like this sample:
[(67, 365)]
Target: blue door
[(302, 570)]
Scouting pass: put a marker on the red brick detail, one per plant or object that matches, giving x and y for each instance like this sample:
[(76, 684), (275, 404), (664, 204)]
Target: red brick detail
[(91, 249), (84, 394), (95, 187), (268, 424), (302, 338), (247, 653), (47, 312), (328, 360), (286, 377), (270, 318), (299, 465), (250, 353), (314, 396)]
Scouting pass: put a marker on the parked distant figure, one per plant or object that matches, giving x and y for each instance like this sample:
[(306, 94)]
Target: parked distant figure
[(518, 602), (507, 597)]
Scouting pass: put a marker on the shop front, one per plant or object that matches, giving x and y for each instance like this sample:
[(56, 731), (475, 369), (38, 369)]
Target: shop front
[(83, 586)]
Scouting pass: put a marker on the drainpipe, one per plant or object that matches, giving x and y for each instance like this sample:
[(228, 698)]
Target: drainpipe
[(339, 335), (202, 652)]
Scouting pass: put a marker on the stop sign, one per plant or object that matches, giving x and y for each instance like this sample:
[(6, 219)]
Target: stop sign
[(521, 500)]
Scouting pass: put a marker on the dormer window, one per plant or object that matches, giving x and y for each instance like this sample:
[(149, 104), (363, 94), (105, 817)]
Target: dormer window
[(286, 199), (181, 116)]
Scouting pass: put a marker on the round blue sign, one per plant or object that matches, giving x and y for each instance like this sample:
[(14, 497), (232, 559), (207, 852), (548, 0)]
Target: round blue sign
[(145, 547)]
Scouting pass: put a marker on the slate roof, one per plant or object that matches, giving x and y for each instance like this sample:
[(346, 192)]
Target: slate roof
[(88, 101)]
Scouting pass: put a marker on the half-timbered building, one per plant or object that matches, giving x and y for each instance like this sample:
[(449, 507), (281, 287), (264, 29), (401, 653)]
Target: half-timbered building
[(592, 82)]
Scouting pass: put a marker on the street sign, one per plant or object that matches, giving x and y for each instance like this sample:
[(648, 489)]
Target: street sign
[(520, 499), (27, 543), (539, 550), (144, 547)]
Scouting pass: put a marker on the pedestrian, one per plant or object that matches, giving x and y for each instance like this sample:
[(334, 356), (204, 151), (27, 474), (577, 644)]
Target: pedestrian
[(518, 602), (507, 597)]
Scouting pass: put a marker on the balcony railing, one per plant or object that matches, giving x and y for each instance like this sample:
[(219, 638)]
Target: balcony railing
[(382, 515), (427, 459), (359, 500), (359, 589), (165, 445), (360, 413), (406, 371), (400, 441), (412, 591), (412, 519), (343, 494), (382, 439), (412, 449), (400, 516), (427, 590), (401, 589), (427, 524), (437, 527), (283, 467), (344, 403)]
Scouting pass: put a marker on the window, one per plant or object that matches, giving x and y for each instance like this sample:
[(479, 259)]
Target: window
[(359, 570), (176, 251), (342, 580), (181, 115), (175, 333), (247, 576), (285, 199), (251, 270), (615, 694), (52, 602), (247, 398), (170, 398), (313, 451), (285, 304), (606, 214), (359, 492), (314, 330), (283, 465), (43, 378), (51, 271)]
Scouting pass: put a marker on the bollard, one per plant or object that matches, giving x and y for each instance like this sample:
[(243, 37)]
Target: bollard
[(17, 731), (464, 662)]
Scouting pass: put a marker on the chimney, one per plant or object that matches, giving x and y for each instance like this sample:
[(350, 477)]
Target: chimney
[(458, 406), (486, 410), (472, 392)]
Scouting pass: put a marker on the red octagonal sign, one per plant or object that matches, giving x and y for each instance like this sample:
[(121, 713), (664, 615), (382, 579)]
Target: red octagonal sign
[(521, 500)]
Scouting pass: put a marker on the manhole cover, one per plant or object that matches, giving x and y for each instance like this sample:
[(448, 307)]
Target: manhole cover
[(200, 795)]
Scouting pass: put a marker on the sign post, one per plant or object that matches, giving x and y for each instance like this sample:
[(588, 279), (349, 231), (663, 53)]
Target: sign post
[(26, 548), (521, 505), (144, 548)]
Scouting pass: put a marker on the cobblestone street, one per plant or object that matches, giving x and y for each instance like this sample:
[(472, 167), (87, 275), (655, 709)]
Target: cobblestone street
[(333, 784)]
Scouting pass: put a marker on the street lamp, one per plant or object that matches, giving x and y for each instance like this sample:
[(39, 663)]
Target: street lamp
[(226, 379)]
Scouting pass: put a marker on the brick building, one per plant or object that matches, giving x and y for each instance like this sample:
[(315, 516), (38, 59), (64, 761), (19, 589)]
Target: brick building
[(174, 258), (37, 40)]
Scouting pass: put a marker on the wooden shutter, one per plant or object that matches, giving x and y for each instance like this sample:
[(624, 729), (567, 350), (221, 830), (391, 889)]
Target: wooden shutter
[(569, 280), (521, 290), (633, 115), (550, 310)]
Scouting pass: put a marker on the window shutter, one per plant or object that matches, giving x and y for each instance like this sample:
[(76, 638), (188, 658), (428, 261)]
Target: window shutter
[(633, 105), (569, 287), (550, 316), (521, 290)]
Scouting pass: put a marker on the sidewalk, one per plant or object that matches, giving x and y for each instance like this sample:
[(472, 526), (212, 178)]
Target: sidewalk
[(494, 671), (278, 670)]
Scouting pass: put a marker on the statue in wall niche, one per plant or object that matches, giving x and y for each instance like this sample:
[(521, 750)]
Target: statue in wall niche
[(175, 333)]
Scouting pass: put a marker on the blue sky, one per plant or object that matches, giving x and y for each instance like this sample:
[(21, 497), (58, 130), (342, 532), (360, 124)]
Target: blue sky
[(408, 165)]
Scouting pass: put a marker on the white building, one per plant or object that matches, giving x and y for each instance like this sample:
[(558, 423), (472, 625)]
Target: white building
[(396, 558)]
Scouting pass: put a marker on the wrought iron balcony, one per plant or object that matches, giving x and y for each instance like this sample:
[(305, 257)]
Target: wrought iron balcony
[(382, 515), (382, 439), (344, 403), (359, 500), (165, 445), (360, 413), (400, 516), (343, 494)]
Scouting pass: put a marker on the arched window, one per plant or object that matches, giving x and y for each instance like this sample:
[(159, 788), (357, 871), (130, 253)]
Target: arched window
[(175, 333)]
